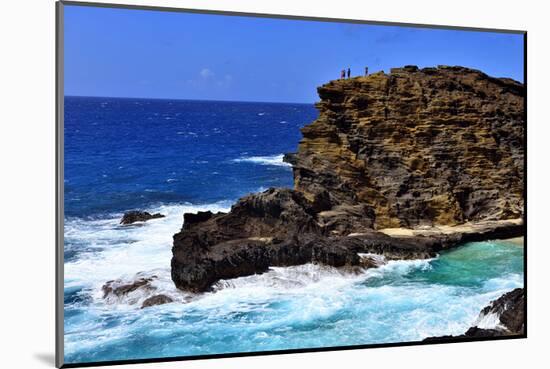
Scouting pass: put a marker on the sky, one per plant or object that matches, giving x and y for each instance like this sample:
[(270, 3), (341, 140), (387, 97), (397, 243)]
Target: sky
[(154, 54)]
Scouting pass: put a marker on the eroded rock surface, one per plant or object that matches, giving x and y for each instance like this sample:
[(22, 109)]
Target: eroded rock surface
[(280, 227), (119, 288), (418, 146)]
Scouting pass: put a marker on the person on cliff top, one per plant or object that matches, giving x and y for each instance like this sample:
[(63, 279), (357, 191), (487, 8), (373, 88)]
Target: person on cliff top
[(342, 74), (349, 72), (366, 71)]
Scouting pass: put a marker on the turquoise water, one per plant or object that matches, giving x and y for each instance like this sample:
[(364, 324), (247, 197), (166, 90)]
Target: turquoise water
[(305, 306)]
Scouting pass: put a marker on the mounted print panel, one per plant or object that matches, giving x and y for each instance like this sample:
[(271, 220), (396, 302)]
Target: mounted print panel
[(242, 184)]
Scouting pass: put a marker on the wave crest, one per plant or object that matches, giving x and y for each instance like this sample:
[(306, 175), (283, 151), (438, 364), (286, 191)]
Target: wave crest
[(276, 160)]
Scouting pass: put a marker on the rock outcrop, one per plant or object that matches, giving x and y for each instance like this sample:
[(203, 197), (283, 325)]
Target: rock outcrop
[(418, 146), (438, 151), (275, 228), (119, 288), (280, 227), (138, 216), (510, 311), (141, 289)]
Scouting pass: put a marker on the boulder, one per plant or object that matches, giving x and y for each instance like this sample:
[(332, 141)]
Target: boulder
[(120, 288), (156, 300), (138, 216)]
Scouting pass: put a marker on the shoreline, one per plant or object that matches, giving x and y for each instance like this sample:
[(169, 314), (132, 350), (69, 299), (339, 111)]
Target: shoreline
[(238, 243)]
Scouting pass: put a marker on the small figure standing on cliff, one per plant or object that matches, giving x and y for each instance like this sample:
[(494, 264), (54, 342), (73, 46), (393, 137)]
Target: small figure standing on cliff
[(342, 74), (366, 71), (349, 72)]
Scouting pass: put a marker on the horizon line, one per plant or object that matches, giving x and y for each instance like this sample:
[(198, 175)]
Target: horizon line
[(187, 99)]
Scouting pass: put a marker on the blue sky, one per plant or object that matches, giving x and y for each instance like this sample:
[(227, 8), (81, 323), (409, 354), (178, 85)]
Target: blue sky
[(143, 53)]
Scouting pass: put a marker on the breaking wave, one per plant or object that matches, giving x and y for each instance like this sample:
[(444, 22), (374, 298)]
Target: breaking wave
[(276, 160)]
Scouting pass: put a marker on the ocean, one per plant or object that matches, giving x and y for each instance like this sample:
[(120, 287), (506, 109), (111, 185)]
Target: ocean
[(176, 156)]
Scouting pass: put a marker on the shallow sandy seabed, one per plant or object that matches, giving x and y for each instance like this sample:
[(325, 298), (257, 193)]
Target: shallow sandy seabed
[(519, 241), (469, 227)]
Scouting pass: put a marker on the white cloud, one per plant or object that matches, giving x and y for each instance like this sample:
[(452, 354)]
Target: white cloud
[(206, 73)]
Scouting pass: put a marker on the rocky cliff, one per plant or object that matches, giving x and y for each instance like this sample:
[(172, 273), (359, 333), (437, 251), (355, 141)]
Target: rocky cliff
[(417, 146), (434, 147)]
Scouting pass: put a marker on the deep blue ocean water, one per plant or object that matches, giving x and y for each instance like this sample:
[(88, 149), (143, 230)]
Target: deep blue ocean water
[(130, 153), (173, 157)]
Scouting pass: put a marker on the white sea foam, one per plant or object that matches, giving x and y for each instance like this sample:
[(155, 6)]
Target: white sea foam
[(308, 305), (488, 321), (291, 278), (120, 252), (276, 160), (377, 259)]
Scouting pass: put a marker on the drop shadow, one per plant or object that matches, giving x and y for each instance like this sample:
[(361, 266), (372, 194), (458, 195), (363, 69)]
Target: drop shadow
[(45, 358)]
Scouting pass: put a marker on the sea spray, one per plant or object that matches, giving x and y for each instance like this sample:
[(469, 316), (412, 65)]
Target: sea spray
[(276, 160)]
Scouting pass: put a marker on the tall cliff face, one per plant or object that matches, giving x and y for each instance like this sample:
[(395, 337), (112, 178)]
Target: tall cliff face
[(417, 146), (437, 146)]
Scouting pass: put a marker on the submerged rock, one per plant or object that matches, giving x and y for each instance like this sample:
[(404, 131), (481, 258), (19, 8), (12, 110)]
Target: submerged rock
[(138, 216), (156, 300), (120, 288)]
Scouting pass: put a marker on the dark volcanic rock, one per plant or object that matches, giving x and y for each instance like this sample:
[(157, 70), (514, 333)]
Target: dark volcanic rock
[(481, 332), (156, 300), (277, 227), (473, 332), (138, 216), (290, 158), (510, 309), (256, 233), (119, 288), (418, 146)]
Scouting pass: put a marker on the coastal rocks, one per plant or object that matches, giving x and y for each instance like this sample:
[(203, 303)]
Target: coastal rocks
[(260, 230), (290, 158), (510, 309), (504, 316), (120, 288), (400, 165), (425, 146), (156, 300), (279, 227), (141, 290), (138, 216)]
